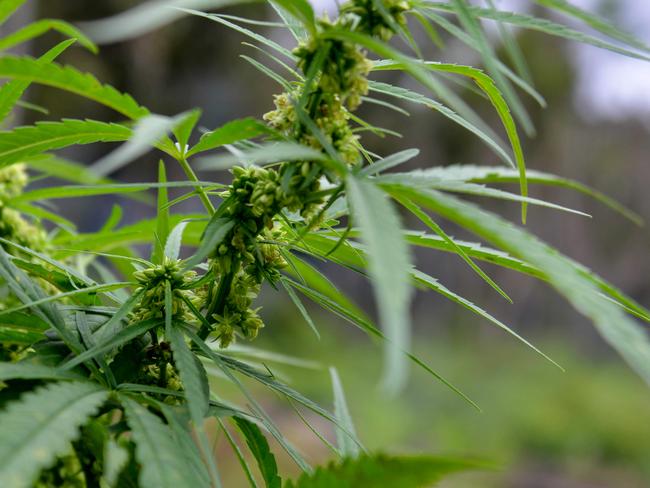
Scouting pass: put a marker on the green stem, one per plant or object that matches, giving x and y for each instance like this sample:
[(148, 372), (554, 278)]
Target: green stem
[(191, 175)]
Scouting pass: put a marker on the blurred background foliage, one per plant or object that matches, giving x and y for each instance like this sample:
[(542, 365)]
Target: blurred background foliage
[(588, 427)]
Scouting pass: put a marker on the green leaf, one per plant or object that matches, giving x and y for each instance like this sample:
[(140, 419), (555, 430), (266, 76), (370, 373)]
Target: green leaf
[(301, 10), (389, 162), (20, 328), (621, 332), (364, 324), (298, 31), (431, 178), (197, 392), (487, 85), (234, 131), (162, 219), (42, 26), (8, 7), (73, 191), (389, 265), (215, 233), (312, 277), (264, 154), (414, 97), (301, 308), (161, 459), (435, 285), (112, 342), (240, 457), (33, 371), (346, 438), (174, 241), (595, 22), (380, 471), (11, 91), (505, 260), (27, 290), (38, 427), (183, 130), (69, 79), (116, 458), (193, 377), (459, 33), (259, 446), (225, 364), (185, 438), (429, 222), (50, 165), (29, 141), (541, 25), (496, 174)]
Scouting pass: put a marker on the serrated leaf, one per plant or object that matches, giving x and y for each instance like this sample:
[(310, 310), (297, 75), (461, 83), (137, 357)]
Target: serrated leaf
[(70, 79), (496, 174), (542, 25), (414, 97), (456, 31), (595, 22), (301, 10), (259, 446), (11, 91), (364, 324), (487, 86), (161, 459), (197, 392), (234, 131), (29, 141), (380, 471), (174, 241), (38, 427), (42, 26), (620, 331), (431, 178), (32, 371), (389, 265)]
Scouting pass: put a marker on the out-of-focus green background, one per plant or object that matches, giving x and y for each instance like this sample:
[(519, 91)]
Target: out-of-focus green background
[(587, 427)]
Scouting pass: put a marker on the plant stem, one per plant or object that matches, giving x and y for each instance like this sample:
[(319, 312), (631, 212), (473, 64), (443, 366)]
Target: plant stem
[(191, 175)]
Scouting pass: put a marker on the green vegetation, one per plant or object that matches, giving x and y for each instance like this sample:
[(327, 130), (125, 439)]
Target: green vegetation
[(113, 362)]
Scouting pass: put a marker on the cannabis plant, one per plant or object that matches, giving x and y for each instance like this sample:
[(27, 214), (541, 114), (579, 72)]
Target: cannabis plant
[(113, 363)]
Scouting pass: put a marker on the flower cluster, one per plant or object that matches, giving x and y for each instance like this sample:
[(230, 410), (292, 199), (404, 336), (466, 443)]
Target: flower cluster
[(337, 74), (13, 226), (153, 282), (364, 16)]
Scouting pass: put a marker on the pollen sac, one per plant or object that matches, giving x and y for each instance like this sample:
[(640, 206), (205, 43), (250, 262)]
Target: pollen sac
[(153, 282)]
